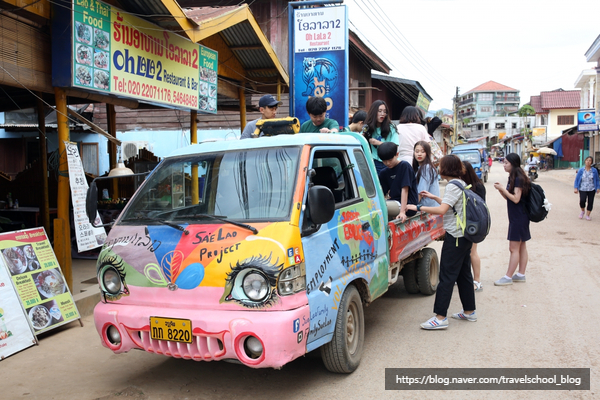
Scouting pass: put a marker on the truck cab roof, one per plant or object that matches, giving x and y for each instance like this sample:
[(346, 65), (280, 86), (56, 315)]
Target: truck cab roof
[(300, 139)]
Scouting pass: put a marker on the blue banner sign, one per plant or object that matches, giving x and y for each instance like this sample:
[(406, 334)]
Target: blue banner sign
[(320, 61), (586, 121)]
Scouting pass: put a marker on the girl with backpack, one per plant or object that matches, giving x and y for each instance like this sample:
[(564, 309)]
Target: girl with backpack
[(470, 178), (518, 221), (426, 173), (455, 261)]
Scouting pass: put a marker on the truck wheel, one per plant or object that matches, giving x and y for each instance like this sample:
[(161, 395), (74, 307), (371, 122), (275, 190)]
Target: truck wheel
[(410, 278), (428, 272), (342, 355)]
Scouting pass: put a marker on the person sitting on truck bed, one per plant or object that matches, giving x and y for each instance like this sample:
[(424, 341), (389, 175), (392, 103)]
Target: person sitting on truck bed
[(357, 122), (267, 105), (317, 108), (398, 179)]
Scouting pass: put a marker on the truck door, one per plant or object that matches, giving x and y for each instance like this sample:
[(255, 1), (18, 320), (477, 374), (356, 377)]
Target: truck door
[(352, 246)]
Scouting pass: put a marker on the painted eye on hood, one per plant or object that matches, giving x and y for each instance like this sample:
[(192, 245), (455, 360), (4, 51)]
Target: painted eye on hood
[(111, 277), (252, 282)]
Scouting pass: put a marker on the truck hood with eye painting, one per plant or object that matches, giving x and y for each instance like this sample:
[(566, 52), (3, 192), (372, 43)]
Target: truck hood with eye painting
[(159, 264)]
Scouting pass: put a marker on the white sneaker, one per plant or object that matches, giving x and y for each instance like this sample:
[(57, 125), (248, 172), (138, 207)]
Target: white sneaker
[(434, 323), (465, 317)]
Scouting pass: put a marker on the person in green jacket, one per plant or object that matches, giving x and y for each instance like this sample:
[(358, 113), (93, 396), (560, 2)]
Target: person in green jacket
[(381, 130), (357, 122), (317, 108)]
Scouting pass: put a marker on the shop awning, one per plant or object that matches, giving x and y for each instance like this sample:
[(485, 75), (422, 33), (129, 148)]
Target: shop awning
[(406, 89)]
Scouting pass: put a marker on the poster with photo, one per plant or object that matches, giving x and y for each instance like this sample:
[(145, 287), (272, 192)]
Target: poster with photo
[(30, 262), (15, 332)]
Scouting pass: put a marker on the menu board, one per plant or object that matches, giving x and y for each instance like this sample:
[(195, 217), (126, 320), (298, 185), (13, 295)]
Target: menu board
[(15, 332), (37, 278), (87, 236)]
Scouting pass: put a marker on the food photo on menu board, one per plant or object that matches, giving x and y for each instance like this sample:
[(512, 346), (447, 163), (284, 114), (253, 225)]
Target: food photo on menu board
[(49, 283), (44, 315), (21, 259)]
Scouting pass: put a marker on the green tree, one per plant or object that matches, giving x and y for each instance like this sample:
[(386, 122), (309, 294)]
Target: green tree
[(439, 114), (526, 110)]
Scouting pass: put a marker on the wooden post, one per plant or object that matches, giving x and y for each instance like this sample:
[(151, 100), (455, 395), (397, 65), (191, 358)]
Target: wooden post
[(62, 224), (111, 122), (45, 204), (242, 97), (194, 140), (278, 90)]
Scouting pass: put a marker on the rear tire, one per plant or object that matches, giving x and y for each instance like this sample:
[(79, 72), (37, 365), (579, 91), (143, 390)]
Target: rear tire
[(410, 277), (428, 272), (342, 355)]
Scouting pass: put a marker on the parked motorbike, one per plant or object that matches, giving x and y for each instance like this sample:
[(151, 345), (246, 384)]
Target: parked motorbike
[(533, 174)]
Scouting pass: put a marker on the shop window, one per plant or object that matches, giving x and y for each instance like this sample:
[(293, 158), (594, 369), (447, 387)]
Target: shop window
[(499, 125), (566, 120)]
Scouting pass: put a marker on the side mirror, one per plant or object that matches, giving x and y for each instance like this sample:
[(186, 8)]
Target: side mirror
[(91, 202), (321, 204)]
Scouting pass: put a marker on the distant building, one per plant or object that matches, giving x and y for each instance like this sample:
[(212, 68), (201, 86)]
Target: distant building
[(591, 95), (555, 112), (490, 99)]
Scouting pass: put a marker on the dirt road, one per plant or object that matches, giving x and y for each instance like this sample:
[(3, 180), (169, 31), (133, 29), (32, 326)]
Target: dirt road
[(547, 322)]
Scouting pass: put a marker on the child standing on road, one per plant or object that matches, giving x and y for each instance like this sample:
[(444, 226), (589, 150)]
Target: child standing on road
[(518, 221), (455, 261)]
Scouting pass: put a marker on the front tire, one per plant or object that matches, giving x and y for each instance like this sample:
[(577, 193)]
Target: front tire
[(342, 355), (428, 272)]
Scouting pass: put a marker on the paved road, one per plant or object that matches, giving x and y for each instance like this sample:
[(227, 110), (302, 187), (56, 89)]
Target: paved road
[(547, 322)]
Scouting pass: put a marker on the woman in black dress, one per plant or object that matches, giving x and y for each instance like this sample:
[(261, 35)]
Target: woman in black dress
[(518, 222)]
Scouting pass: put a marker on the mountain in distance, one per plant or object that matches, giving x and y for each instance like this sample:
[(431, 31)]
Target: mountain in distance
[(431, 113)]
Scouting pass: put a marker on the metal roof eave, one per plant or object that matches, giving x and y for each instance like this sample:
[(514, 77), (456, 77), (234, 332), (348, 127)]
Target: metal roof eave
[(400, 86), (223, 22)]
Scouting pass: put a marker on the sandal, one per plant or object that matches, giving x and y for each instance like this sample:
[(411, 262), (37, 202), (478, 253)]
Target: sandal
[(478, 286)]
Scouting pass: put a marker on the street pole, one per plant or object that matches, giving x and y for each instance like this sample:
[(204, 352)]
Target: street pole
[(455, 117)]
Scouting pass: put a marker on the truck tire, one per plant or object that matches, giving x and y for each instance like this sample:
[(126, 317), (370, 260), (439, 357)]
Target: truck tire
[(428, 271), (342, 355), (410, 277)]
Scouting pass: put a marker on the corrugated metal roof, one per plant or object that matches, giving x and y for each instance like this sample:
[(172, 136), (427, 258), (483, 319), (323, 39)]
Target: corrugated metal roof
[(154, 11), (404, 88)]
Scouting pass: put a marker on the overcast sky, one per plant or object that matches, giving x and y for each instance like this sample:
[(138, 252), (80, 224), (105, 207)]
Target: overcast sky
[(529, 45)]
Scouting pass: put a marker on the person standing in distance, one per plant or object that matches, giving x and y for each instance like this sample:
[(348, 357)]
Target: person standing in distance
[(267, 105), (317, 108), (587, 185)]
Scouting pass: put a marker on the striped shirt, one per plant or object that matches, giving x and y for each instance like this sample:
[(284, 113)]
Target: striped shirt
[(453, 197)]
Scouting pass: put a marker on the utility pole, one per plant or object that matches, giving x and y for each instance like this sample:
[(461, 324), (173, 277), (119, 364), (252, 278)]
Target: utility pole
[(456, 117)]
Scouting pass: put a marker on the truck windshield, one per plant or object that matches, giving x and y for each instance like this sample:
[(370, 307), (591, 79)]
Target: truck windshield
[(473, 157), (254, 184)]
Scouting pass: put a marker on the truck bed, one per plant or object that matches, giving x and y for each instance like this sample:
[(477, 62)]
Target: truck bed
[(414, 234)]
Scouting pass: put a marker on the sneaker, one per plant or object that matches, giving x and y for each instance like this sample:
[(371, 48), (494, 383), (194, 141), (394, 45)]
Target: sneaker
[(477, 286), (465, 317), (588, 217), (504, 281), (581, 215), (434, 323), (517, 278)]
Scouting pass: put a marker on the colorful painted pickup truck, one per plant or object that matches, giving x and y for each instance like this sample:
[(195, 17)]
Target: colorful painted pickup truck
[(258, 251)]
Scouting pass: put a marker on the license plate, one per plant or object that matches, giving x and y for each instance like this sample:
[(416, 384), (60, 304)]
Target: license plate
[(171, 329)]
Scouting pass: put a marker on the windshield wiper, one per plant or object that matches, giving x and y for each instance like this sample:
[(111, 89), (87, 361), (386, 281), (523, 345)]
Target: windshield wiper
[(222, 219), (160, 221)]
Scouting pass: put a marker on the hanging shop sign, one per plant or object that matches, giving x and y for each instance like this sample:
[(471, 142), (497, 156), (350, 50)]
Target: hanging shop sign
[(88, 237), (117, 53), (38, 280), (586, 121), (320, 60), (423, 102)]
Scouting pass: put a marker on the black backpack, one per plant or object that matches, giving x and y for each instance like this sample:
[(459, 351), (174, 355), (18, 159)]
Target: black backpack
[(477, 219), (536, 205)]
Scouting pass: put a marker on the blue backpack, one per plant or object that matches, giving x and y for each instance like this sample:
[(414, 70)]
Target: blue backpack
[(476, 221)]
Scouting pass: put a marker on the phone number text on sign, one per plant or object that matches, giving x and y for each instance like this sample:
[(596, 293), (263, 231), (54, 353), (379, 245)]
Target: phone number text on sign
[(153, 92)]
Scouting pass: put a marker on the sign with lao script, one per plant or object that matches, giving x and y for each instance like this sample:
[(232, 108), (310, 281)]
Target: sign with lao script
[(88, 237), (320, 61), (37, 278), (121, 54)]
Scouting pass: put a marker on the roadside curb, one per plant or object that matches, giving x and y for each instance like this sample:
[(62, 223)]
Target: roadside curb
[(86, 300)]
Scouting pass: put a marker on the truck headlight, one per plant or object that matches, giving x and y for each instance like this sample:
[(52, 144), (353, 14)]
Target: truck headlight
[(255, 286), (111, 281), (292, 280)]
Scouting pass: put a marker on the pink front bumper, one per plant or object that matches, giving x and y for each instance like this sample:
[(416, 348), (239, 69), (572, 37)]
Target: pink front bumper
[(217, 335)]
